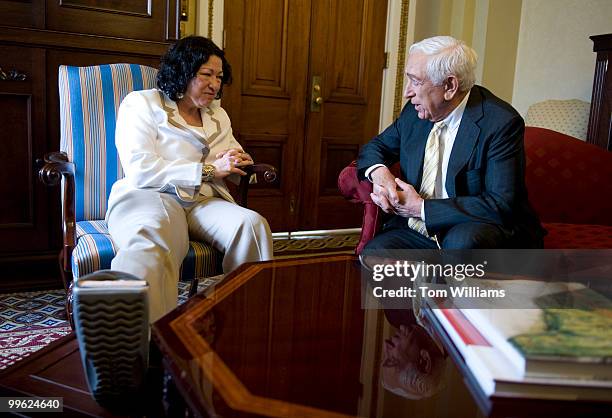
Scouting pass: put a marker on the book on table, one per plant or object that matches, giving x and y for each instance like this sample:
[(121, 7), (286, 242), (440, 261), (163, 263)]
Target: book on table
[(496, 376), (566, 335), (558, 345)]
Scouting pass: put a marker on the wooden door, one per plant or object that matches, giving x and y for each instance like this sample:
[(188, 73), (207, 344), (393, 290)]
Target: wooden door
[(277, 49)]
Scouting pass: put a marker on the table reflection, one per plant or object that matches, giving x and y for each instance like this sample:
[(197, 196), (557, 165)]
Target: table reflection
[(413, 362), (292, 339)]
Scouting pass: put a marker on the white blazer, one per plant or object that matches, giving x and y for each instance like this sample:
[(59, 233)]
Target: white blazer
[(159, 150)]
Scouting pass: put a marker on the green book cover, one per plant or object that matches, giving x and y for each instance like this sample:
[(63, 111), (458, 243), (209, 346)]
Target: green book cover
[(578, 327)]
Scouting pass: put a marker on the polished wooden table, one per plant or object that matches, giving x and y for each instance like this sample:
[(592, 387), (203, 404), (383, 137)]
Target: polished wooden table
[(56, 371), (289, 338)]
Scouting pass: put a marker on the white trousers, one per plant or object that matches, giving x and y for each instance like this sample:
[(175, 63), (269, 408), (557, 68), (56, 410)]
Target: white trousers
[(152, 230)]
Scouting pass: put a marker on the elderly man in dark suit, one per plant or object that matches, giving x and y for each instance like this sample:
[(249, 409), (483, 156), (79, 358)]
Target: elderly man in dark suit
[(462, 160)]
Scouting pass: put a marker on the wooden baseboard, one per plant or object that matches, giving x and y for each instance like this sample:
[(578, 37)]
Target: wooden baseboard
[(29, 273)]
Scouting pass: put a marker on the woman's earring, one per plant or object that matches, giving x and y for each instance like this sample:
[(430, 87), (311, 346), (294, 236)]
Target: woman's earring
[(180, 96)]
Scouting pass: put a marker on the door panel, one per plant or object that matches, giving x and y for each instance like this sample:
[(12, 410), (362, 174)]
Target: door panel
[(136, 19), (264, 115), (276, 47), (265, 74), (347, 51), (267, 45), (22, 100), (23, 13)]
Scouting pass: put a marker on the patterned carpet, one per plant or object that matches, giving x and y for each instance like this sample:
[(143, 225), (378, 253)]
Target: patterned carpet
[(30, 321)]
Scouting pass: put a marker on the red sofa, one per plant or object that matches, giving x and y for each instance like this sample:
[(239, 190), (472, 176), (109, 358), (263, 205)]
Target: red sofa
[(569, 184)]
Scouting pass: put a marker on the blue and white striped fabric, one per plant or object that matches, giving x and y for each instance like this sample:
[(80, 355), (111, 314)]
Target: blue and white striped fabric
[(95, 250), (89, 101)]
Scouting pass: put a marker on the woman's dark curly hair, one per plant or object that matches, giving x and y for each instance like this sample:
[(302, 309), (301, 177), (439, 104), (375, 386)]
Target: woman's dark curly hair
[(182, 62)]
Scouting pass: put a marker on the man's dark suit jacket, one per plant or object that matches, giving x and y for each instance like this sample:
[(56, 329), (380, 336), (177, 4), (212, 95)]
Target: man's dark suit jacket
[(485, 180)]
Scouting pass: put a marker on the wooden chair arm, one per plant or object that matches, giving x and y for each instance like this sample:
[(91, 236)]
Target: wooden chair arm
[(56, 168), (263, 173)]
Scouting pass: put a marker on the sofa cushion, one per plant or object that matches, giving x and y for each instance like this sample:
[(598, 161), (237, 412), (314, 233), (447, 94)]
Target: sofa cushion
[(568, 180), (571, 236)]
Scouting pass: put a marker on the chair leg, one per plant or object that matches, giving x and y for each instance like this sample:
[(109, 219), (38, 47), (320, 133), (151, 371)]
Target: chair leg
[(68, 283), (66, 280), (194, 286), (68, 306)]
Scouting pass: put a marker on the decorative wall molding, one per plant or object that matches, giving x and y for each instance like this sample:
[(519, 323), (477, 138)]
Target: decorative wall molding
[(211, 9), (12, 75), (401, 58)]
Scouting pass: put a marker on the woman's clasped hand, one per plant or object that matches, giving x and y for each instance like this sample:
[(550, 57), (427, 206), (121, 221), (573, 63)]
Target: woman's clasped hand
[(228, 162)]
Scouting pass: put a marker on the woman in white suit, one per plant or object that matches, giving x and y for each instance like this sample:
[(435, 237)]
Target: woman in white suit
[(176, 147)]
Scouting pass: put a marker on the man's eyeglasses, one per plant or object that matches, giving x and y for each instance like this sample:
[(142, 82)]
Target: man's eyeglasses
[(415, 81)]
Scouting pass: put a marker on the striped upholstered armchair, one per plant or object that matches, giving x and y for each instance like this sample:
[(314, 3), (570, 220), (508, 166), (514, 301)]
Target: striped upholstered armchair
[(88, 165)]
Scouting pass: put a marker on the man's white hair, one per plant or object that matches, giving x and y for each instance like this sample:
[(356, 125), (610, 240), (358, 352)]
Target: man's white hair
[(448, 56)]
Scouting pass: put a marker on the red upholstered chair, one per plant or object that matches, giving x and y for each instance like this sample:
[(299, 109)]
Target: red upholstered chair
[(569, 184)]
